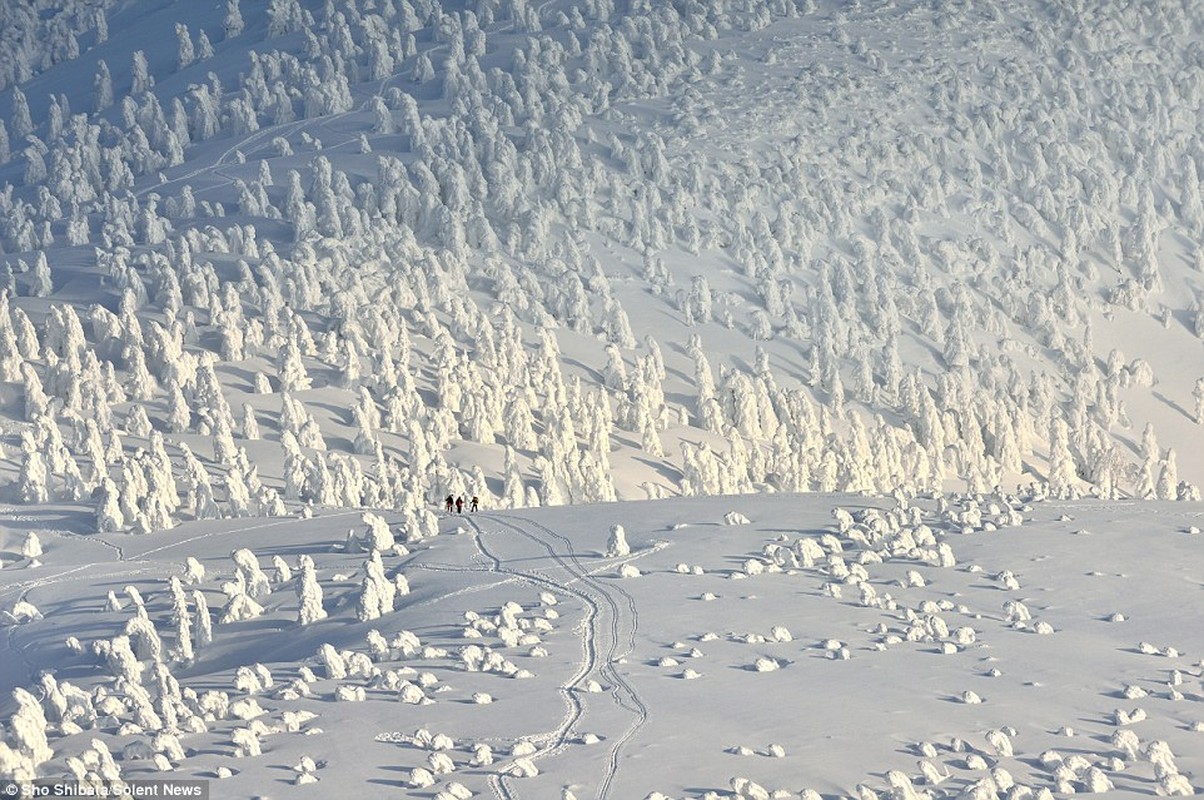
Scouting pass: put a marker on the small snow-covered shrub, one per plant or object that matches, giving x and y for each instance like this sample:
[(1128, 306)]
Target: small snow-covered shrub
[(523, 768), (246, 709), (616, 544), (523, 747), (482, 755), (246, 743), (1000, 742), (350, 694)]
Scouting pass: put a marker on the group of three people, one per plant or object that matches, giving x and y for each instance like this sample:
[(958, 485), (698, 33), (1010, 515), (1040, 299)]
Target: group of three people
[(457, 504)]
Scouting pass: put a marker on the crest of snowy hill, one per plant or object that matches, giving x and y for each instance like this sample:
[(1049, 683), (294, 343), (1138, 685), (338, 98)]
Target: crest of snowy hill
[(374, 252)]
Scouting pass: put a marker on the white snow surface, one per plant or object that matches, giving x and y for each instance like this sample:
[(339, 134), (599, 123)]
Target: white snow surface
[(840, 723), (272, 274)]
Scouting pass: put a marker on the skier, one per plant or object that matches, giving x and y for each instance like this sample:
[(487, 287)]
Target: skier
[(475, 504), (449, 502), (459, 505)]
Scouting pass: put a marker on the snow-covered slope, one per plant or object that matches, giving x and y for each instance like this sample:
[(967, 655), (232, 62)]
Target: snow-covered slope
[(809, 642), (651, 249), (297, 260)]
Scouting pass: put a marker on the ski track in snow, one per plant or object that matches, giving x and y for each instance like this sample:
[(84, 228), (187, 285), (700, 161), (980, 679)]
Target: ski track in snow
[(623, 692), (574, 710), (215, 534), (13, 642), (139, 567), (608, 625)]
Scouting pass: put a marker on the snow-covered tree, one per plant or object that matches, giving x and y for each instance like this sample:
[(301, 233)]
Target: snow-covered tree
[(1062, 473), (616, 544), (253, 578), (202, 629), (109, 514), (309, 592), (33, 481), (28, 728), (292, 373), (102, 87), (184, 50), (182, 619), (379, 538), (32, 546), (240, 606), (233, 24), (20, 121), (1168, 478), (377, 592), (141, 79)]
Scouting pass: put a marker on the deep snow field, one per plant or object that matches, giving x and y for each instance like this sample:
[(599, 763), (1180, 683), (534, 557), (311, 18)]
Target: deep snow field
[(741, 637), (275, 278)]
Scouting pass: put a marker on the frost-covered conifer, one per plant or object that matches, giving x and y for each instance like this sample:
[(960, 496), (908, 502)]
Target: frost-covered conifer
[(615, 372), (377, 593), (291, 370), (309, 592), (36, 402), (379, 538), (32, 546), (1168, 478), (616, 544), (102, 86), (284, 573), (109, 516), (250, 428), (233, 24), (512, 483), (349, 373), (21, 122), (33, 481), (204, 48), (41, 283), (184, 51), (1061, 463), (239, 606), (255, 580), (183, 621), (28, 728), (141, 79), (202, 629), (381, 116)]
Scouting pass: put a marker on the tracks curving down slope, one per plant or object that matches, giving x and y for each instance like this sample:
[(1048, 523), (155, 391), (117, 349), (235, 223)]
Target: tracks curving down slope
[(607, 636)]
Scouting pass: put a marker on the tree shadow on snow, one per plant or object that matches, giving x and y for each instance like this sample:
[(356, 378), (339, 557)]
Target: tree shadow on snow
[(1166, 400), (390, 784), (51, 520), (663, 470)]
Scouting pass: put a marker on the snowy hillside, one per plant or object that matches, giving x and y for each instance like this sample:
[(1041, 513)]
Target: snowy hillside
[(369, 253), (821, 645), (270, 267)]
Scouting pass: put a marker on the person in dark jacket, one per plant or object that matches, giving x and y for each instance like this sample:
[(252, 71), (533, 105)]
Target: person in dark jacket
[(459, 505), (474, 504), (449, 502)]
